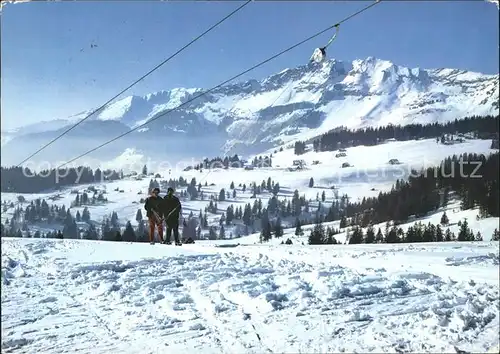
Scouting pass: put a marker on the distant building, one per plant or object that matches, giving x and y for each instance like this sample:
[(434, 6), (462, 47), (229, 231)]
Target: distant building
[(299, 163)]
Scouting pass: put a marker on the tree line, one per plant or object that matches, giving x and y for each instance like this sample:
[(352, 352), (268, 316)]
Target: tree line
[(232, 161), (482, 127), (39, 211), (472, 177), (418, 232), (24, 180), (221, 162)]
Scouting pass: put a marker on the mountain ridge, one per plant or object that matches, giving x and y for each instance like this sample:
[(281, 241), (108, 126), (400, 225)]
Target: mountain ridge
[(296, 103)]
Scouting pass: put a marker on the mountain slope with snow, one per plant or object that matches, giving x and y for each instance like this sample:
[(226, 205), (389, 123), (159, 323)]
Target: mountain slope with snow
[(103, 297), (297, 103)]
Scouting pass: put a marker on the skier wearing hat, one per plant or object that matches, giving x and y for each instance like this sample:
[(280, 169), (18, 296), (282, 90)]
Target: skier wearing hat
[(171, 207), (154, 214)]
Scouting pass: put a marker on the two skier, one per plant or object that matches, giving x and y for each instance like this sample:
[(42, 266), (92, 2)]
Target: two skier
[(166, 209)]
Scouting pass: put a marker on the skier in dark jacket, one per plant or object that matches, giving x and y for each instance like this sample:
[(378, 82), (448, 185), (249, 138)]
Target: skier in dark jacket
[(154, 214), (171, 207)]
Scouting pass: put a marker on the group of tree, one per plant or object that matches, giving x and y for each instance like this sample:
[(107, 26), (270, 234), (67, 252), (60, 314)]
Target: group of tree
[(24, 180), (39, 211), (192, 189), (319, 235), (484, 127), (268, 185), (83, 199), (219, 162), (418, 232), (262, 161), (233, 162), (270, 228), (299, 148), (473, 178), (251, 213), (7, 232)]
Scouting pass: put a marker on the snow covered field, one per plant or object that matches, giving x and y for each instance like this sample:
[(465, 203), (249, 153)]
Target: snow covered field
[(108, 297), (370, 173)]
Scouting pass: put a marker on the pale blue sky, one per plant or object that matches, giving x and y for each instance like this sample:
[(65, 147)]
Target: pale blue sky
[(46, 76)]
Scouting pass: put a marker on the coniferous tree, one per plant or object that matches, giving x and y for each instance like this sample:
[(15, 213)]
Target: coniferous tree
[(298, 228), (276, 189), (138, 216), (356, 236), (317, 235), (465, 233), (90, 233), (86, 215), (222, 195), (343, 222), (70, 230), (265, 234), (370, 235), (278, 229), (222, 233), (439, 234), (448, 235), (330, 236), (129, 233), (107, 233), (444, 219)]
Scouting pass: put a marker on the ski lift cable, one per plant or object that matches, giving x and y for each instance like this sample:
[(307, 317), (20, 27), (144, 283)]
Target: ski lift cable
[(336, 26), (333, 37), (310, 74), (220, 84), (136, 81)]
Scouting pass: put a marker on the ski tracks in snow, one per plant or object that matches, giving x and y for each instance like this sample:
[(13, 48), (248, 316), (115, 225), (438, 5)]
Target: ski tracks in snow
[(245, 301)]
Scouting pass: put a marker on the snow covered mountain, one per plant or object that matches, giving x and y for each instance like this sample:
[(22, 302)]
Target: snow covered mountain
[(249, 116)]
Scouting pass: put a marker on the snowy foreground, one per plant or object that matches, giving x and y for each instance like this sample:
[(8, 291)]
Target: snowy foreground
[(107, 297)]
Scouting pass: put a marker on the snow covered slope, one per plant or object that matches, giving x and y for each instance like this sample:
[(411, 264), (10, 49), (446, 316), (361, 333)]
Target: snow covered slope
[(102, 297), (370, 173), (296, 103)]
